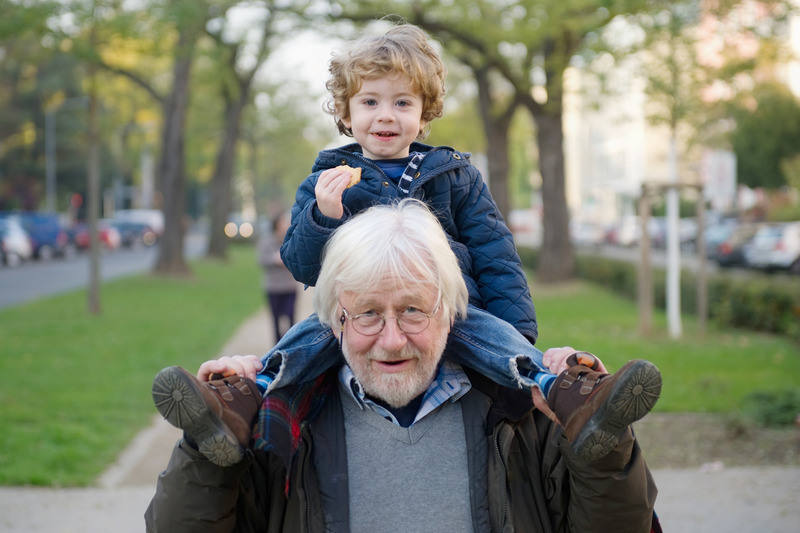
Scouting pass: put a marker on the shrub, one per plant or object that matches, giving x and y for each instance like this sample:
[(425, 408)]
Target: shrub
[(774, 408), (758, 302)]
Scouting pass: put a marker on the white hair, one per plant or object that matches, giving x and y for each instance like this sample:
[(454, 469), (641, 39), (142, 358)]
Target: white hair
[(387, 244)]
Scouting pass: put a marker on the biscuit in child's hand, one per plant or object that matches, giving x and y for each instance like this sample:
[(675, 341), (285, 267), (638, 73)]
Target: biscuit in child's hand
[(355, 174)]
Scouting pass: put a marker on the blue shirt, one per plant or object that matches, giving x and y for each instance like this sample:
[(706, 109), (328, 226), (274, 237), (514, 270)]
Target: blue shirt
[(450, 383)]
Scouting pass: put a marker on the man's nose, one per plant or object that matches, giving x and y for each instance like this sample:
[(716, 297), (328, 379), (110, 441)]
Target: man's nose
[(392, 337)]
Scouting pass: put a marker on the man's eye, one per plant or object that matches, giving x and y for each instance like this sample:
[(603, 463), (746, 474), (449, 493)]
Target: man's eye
[(411, 311)]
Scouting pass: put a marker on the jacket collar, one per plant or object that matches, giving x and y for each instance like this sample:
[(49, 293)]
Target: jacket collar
[(351, 154)]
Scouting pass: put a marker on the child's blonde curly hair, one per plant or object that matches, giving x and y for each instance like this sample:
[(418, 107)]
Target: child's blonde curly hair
[(404, 49)]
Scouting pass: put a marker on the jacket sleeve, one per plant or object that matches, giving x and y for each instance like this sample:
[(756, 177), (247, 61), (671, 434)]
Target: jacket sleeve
[(496, 266), (305, 239), (194, 495), (616, 493)]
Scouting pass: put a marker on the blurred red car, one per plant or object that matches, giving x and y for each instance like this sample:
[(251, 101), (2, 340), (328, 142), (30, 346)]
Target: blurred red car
[(109, 235)]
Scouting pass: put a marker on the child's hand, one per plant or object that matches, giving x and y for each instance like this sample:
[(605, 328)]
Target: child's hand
[(329, 189), (245, 365), (555, 359)]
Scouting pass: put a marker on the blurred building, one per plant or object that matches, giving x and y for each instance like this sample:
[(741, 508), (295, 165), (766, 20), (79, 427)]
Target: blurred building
[(611, 147)]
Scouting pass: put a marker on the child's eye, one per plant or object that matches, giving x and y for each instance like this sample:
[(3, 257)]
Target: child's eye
[(370, 102), (403, 103)]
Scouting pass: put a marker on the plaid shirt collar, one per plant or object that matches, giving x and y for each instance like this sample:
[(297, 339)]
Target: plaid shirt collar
[(450, 383)]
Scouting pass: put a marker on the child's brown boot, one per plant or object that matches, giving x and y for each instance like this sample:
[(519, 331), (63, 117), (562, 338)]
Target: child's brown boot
[(595, 408), (216, 416)]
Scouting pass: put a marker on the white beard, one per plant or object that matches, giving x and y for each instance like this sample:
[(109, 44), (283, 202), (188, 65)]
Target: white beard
[(399, 388)]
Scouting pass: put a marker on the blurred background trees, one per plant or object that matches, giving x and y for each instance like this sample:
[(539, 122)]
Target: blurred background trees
[(206, 108)]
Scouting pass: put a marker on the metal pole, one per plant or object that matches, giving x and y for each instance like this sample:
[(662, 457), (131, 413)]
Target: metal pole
[(673, 247), (645, 269), (50, 159)]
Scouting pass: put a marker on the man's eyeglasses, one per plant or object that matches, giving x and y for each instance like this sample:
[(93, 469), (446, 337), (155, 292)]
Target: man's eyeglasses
[(410, 320)]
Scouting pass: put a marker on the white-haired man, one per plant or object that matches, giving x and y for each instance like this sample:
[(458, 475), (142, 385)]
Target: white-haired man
[(402, 438)]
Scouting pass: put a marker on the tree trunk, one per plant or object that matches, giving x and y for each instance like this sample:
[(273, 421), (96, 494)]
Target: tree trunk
[(556, 261), (171, 165), (222, 181), (495, 127), (93, 176), (498, 165)]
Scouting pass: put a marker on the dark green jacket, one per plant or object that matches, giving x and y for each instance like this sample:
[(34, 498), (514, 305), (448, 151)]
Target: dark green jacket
[(534, 483)]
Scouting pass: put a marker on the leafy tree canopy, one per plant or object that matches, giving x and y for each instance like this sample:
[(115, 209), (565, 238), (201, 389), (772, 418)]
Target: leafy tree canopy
[(767, 135)]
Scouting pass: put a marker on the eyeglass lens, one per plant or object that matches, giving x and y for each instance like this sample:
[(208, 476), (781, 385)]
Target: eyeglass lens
[(408, 322)]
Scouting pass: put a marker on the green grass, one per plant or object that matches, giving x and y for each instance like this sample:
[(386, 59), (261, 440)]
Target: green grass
[(75, 387), (712, 372)]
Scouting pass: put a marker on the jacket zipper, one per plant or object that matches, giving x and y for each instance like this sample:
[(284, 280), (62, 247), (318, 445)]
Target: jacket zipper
[(497, 449), (368, 162), (306, 458)]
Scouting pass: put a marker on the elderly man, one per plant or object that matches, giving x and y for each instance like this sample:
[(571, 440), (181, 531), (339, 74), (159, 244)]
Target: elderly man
[(400, 438)]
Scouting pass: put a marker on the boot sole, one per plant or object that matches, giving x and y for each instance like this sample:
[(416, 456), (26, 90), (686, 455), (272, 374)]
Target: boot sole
[(181, 402), (631, 398)]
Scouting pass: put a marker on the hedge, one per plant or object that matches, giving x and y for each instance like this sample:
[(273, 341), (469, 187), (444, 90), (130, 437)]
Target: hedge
[(759, 302)]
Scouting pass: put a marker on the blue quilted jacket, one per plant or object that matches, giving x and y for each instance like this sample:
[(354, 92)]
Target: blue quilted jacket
[(456, 192)]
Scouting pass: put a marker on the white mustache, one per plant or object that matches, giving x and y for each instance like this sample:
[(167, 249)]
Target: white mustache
[(382, 356)]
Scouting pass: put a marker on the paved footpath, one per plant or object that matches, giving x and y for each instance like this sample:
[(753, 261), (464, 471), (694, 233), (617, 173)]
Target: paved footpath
[(701, 500)]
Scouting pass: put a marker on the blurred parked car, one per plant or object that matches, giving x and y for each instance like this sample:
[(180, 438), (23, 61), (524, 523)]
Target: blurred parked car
[(627, 231), (108, 234), (48, 235), (585, 233), (154, 218), (775, 246), (717, 232), (526, 225), (134, 234), (687, 231), (730, 251), (15, 244)]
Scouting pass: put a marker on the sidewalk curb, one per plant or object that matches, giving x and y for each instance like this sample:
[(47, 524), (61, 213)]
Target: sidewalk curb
[(126, 471)]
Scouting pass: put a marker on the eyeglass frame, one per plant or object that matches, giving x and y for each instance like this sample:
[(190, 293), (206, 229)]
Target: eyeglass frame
[(346, 315)]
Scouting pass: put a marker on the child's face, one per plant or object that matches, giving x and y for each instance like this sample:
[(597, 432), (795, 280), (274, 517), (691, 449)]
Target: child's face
[(386, 116)]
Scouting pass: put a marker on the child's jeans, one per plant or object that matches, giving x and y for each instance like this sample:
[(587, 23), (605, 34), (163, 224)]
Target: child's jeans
[(481, 341)]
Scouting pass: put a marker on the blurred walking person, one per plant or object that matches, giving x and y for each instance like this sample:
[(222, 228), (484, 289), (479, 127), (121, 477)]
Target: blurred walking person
[(280, 287)]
